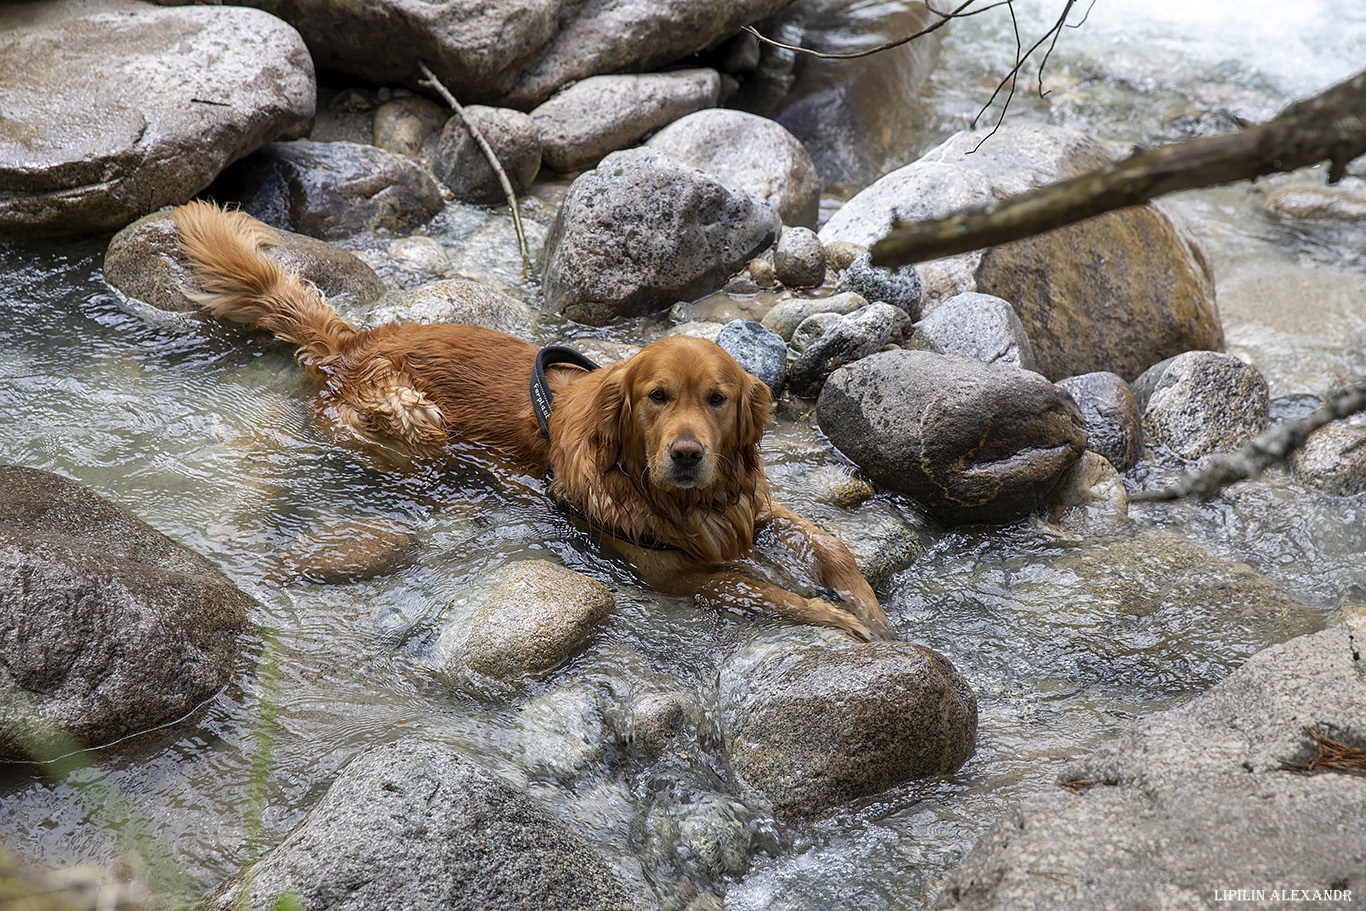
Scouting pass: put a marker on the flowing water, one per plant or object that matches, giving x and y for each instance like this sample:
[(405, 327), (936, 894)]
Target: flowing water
[(1066, 633)]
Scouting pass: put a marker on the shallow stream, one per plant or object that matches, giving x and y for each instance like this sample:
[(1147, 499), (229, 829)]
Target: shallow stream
[(1067, 633)]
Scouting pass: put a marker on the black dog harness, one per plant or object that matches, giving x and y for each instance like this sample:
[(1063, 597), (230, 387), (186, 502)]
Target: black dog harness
[(541, 402)]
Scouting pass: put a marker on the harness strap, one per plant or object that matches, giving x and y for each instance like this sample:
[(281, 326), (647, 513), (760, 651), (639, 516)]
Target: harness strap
[(540, 389)]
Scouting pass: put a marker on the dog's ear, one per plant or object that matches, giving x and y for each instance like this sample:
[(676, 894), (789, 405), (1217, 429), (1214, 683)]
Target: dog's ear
[(755, 412), (612, 408)]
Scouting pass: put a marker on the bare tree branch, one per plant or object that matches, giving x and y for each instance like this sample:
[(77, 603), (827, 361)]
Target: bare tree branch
[(1328, 127), (435, 84), (1267, 449)]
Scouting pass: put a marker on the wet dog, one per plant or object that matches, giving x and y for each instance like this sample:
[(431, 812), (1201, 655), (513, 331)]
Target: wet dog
[(658, 454)]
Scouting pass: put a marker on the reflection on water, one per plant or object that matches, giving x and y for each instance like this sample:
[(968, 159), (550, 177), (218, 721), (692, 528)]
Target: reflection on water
[(204, 432)]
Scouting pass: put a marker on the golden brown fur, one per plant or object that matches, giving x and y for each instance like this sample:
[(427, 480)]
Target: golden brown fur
[(659, 453)]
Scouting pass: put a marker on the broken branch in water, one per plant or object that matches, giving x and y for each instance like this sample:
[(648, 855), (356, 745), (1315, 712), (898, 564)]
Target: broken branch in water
[(436, 85), (1272, 446), (1327, 127)]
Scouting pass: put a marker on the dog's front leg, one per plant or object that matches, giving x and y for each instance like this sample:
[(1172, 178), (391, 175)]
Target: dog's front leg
[(730, 589), (835, 564)]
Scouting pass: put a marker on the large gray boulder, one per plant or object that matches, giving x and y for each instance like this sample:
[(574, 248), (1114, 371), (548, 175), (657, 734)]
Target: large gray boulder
[(412, 825), (813, 725), (603, 114), (113, 109), (1116, 293), (749, 152), (107, 627), (511, 52), (144, 262), (641, 232), (1188, 803), (332, 190), (1202, 402), (973, 442)]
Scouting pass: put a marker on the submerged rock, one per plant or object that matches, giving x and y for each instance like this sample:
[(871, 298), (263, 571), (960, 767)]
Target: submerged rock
[(973, 442), (115, 109), (1186, 802), (144, 262), (349, 552), (1202, 402), (751, 153), (457, 300), (603, 114), (332, 190), (530, 620), (641, 232), (816, 725), (109, 627), (413, 825)]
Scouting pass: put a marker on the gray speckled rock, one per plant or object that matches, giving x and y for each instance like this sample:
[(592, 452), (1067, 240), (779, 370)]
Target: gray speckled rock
[(811, 726), (603, 114), (461, 165), (1334, 459), (1114, 426), (799, 258), (973, 442), (850, 337), (749, 152), (1195, 800), (786, 315), (979, 326), (144, 262), (109, 628), (898, 286), (331, 190), (761, 352), (413, 825), (526, 624), (641, 232), (115, 109), (1202, 402)]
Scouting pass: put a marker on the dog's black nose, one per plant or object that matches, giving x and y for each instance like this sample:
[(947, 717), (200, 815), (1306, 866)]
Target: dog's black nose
[(686, 453)]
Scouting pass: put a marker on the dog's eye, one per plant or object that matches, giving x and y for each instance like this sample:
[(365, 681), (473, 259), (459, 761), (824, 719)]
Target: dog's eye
[(717, 398), (660, 396)]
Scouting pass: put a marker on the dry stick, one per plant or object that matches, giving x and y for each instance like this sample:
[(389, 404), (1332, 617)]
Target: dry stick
[(437, 86), (1272, 446), (1330, 126)]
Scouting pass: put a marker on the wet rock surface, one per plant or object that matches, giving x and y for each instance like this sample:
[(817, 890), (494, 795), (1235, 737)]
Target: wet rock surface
[(973, 442), (1161, 813), (1202, 402), (814, 726), (686, 233), (115, 109), (110, 628), (414, 824)]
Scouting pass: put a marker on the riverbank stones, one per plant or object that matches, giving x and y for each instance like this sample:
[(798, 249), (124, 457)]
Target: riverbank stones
[(1202, 402), (461, 165), (109, 627), (749, 152), (799, 259), (980, 326), (144, 262), (414, 825), (761, 352), (1114, 425), (115, 109), (847, 339), (689, 232), (972, 442), (813, 725)]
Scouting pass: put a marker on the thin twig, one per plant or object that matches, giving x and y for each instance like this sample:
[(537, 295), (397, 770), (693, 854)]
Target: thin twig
[(1079, 786), (1332, 755), (1046, 874), (866, 52), (1266, 449), (436, 85)]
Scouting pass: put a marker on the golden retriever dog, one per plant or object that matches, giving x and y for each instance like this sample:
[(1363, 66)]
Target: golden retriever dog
[(658, 454)]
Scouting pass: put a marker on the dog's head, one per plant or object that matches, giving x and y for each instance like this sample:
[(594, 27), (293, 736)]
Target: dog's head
[(683, 415)]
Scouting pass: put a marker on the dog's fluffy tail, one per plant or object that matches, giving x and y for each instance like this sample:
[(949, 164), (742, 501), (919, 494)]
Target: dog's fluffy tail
[(240, 283)]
